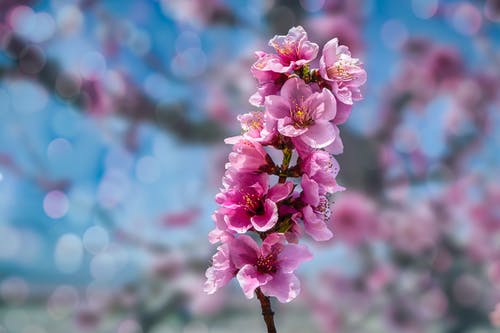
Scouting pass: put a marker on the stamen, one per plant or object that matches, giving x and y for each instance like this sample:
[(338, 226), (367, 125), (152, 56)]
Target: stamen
[(300, 114), (339, 72), (324, 208), (288, 48), (266, 264)]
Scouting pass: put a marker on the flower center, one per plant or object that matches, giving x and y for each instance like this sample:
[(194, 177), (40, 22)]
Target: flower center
[(253, 203), (300, 115), (255, 122), (338, 71), (324, 208), (266, 264), (288, 48)]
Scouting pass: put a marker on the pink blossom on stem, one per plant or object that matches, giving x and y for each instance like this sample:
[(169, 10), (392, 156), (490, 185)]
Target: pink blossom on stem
[(344, 73), (220, 233), (269, 267), (259, 196), (221, 271), (322, 168), (257, 126), (293, 51), (303, 114), (248, 156), (254, 206), (316, 220), (269, 80)]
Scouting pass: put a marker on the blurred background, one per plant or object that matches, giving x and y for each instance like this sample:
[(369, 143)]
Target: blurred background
[(112, 119)]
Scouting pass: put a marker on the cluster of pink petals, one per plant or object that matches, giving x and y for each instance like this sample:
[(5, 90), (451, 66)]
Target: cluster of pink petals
[(265, 206)]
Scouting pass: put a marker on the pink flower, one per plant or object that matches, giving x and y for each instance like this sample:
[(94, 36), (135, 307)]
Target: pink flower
[(257, 126), (303, 115), (294, 50), (232, 178), (353, 218), (220, 233), (335, 148), (269, 267), (270, 81), (316, 218), (414, 229), (221, 271), (253, 205), (247, 155), (344, 73), (322, 168)]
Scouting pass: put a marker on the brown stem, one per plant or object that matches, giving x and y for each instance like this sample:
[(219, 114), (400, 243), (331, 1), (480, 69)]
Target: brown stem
[(267, 312)]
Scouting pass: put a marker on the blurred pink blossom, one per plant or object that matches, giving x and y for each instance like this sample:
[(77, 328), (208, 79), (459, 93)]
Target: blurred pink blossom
[(354, 219)]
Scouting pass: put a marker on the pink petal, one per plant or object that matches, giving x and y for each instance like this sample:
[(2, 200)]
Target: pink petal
[(315, 226), (238, 220), (309, 51), (343, 112), (233, 139), (344, 94), (295, 89), (284, 286), (292, 256), (337, 146), (256, 99), (329, 55), (268, 219), (277, 106), (244, 250), (358, 76), (280, 191), (273, 243), (289, 130), (310, 191), (320, 135), (221, 272), (323, 105), (250, 279)]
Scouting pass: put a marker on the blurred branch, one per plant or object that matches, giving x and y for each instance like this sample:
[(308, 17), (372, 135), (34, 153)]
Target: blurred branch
[(134, 105)]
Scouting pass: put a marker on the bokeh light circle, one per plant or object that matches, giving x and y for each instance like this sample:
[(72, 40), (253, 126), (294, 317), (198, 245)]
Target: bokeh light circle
[(129, 326), (56, 204), (466, 19), (59, 147), (69, 19), (68, 253), (62, 302), (32, 59), (95, 239), (14, 290), (425, 9)]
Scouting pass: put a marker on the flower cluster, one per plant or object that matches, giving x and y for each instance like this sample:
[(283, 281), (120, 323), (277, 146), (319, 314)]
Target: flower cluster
[(277, 204)]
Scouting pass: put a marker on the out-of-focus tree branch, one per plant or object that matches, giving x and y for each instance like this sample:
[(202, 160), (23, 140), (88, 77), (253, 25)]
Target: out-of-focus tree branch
[(134, 105)]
